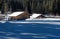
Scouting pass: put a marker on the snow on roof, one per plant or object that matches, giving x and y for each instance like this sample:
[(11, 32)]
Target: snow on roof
[(34, 15), (16, 13)]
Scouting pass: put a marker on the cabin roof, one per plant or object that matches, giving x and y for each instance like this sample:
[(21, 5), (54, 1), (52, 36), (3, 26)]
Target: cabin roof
[(16, 13), (35, 15)]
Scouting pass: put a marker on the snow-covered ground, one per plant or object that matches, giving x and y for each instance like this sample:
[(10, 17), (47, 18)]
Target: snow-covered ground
[(33, 17), (44, 19)]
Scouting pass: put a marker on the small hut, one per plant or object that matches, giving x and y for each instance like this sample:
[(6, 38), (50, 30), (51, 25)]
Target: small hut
[(19, 16)]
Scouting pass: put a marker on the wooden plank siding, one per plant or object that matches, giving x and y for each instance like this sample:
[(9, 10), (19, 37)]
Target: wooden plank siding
[(22, 16)]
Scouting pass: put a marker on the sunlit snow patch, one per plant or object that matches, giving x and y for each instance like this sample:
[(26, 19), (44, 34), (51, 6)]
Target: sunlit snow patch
[(55, 23), (2, 21)]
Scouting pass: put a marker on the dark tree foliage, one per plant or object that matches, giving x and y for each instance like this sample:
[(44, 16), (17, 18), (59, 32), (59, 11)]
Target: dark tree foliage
[(29, 7), (36, 6), (16, 6)]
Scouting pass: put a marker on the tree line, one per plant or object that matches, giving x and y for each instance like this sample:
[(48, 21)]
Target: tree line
[(35, 6)]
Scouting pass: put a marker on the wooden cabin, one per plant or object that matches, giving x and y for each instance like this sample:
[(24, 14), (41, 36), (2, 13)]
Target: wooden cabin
[(24, 15)]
